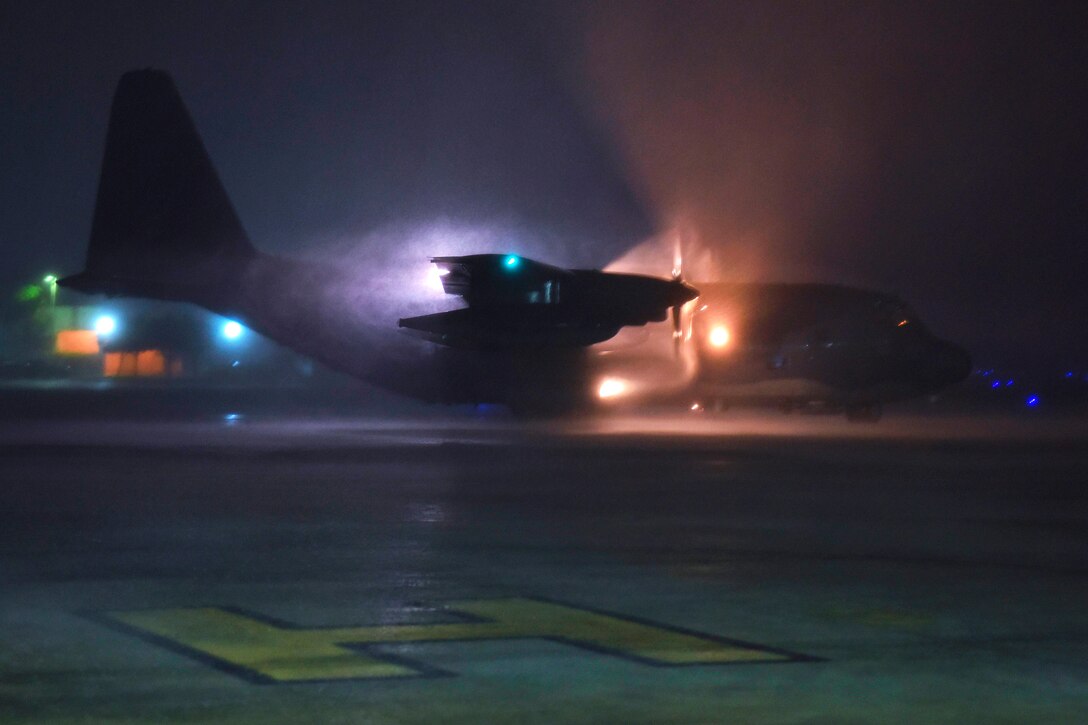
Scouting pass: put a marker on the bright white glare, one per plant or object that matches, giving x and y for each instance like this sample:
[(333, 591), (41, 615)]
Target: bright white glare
[(105, 325), (232, 330), (434, 278), (611, 388), (719, 336)]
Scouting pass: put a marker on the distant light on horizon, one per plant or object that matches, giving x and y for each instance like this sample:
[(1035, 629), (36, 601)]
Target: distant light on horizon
[(105, 325), (232, 330)]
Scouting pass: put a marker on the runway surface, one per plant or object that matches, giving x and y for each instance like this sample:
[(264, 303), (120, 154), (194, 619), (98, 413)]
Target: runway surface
[(227, 566)]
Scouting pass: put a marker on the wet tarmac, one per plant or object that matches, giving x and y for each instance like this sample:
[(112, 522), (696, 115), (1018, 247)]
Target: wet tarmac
[(229, 566)]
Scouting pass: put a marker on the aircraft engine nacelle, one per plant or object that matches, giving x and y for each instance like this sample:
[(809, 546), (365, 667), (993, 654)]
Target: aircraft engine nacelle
[(516, 303)]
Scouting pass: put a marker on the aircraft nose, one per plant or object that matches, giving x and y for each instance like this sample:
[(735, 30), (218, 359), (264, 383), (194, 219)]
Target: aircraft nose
[(950, 363)]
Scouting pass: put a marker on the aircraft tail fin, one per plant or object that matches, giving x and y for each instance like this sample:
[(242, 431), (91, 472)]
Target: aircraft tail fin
[(162, 220)]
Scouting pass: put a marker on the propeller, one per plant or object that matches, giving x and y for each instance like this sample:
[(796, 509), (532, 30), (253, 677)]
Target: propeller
[(677, 276)]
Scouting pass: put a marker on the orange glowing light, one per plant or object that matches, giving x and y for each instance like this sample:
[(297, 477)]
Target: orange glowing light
[(902, 323), (611, 388), (719, 336)]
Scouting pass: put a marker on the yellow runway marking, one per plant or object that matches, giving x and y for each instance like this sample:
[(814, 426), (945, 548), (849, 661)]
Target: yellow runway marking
[(276, 652)]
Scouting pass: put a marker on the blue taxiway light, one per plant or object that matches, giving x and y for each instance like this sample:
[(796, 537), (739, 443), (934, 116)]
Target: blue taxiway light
[(1032, 401), (995, 384), (1008, 383)]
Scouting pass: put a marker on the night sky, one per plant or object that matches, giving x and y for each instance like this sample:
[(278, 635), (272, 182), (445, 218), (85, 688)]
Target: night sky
[(939, 151)]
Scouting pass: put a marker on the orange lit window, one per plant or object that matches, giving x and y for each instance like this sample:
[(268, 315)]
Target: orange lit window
[(111, 364), (150, 363), (146, 363), (77, 342)]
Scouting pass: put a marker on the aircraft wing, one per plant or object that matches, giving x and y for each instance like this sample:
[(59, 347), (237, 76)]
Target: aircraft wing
[(515, 302)]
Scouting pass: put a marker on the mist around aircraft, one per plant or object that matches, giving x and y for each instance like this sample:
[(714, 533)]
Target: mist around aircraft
[(534, 337)]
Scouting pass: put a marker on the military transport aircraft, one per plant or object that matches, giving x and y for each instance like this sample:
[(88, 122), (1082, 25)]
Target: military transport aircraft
[(538, 338)]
